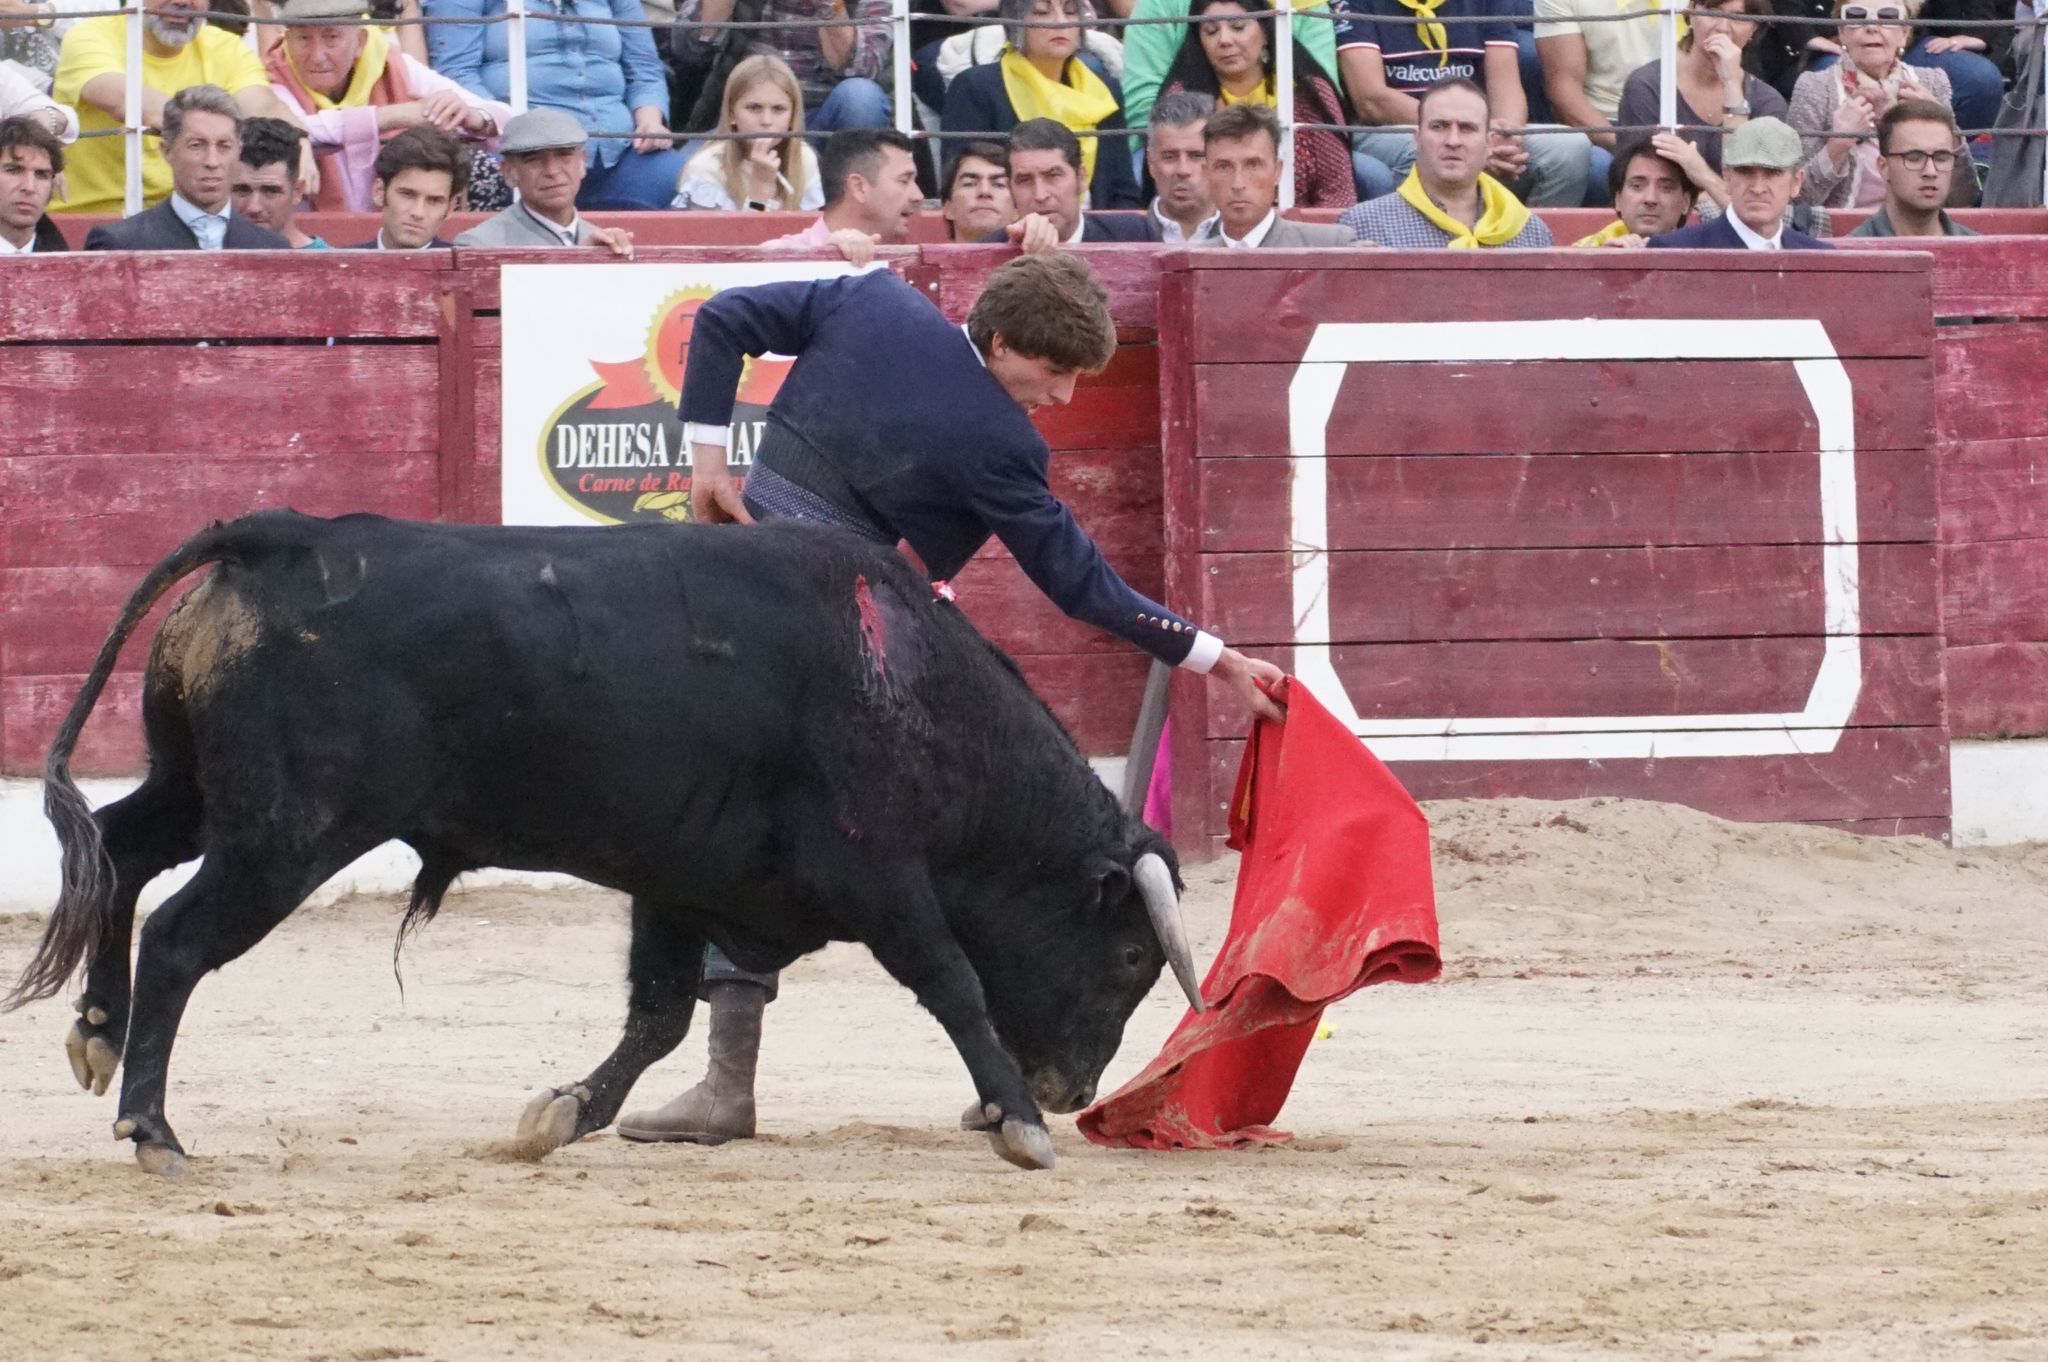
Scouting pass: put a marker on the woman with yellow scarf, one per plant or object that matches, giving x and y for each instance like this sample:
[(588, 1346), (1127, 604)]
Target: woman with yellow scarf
[(354, 90), (1041, 75)]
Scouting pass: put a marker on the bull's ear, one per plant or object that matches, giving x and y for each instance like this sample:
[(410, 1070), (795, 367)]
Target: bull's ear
[(1112, 884)]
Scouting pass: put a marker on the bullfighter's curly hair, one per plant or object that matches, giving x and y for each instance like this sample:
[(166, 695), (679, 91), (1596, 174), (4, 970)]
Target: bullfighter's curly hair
[(1046, 307)]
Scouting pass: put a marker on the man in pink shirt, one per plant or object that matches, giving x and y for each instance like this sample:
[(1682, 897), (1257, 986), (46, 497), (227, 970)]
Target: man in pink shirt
[(354, 90), (870, 180)]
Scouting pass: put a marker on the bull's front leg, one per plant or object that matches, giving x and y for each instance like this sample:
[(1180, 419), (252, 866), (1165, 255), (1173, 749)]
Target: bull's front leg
[(664, 967), (911, 940)]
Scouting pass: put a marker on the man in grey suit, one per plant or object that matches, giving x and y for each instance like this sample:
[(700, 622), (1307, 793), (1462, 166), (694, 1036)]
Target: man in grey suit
[(1241, 157), (202, 136), (543, 160)]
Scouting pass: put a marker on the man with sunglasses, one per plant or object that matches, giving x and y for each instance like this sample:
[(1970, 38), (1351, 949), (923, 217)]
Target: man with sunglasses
[(1916, 153)]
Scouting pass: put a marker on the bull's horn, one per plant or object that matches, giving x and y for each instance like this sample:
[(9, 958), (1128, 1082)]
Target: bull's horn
[(1162, 905)]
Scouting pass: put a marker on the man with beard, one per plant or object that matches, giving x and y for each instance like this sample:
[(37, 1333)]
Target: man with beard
[(265, 184), (179, 51)]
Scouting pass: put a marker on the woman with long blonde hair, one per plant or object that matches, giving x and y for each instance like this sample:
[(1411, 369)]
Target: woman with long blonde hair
[(774, 170)]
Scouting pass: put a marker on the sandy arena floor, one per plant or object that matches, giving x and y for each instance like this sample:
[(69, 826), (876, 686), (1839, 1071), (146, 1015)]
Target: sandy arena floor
[(1686, 1090)]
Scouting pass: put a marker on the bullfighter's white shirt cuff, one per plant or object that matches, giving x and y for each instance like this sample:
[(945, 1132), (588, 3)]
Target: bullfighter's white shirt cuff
[(1203, 655), (698, 433)]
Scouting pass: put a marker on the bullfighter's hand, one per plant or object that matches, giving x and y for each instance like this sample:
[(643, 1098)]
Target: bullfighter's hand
[(1034, 234), (714, 496), (1251, 678)]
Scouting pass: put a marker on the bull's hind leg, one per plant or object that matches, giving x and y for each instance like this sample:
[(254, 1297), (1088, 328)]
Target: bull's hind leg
[(665, 965), (148, 832), (231, 903)]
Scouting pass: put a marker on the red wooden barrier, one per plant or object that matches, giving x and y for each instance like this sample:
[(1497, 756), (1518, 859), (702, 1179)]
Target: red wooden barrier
[(1541, 532), (1680, 486), (1991, 428)]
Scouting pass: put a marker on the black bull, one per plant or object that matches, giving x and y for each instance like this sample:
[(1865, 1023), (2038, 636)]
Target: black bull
[(770, 738)]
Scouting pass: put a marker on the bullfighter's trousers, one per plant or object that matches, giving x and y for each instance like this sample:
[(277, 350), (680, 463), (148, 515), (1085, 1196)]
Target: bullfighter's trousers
[(719, 970)]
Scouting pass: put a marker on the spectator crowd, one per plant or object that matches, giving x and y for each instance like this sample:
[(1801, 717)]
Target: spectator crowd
[(1425, 123)]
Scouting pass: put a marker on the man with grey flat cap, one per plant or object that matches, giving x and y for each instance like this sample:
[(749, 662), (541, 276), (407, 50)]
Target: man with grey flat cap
[(1760, 163), (542, 154)]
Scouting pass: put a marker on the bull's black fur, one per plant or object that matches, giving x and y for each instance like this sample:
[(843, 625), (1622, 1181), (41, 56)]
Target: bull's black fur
[(693, 716)]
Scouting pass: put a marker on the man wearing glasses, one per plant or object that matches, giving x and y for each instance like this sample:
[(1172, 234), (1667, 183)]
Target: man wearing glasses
[(1916, 154)]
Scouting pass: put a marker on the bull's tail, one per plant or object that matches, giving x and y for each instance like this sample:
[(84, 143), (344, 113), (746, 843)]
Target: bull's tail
[(85, 900)]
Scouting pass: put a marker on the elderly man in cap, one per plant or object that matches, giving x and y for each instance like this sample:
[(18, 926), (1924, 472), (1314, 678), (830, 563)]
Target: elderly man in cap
[(1760, 163), (544, 164), (354, 90)]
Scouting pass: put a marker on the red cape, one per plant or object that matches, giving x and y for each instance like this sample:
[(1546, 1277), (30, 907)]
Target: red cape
[(1333, 893)]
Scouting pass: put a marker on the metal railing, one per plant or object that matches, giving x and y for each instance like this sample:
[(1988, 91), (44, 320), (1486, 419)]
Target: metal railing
[(1284, 18)]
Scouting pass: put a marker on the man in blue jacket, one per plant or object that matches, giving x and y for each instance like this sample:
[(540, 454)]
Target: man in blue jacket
[(1760, 162), (896, 424)]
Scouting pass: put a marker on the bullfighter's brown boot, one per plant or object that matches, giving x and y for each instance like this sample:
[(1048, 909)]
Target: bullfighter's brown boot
[(721, 1107)]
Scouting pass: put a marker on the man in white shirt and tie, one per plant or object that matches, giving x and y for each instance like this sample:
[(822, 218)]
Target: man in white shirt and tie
[(1760, 164), (1241, 157), (202, 135)]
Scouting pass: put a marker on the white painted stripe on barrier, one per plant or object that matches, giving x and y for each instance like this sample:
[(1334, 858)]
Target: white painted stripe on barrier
[(1838, 681)]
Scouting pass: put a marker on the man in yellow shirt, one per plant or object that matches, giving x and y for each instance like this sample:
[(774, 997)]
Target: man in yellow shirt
[(178, 51)]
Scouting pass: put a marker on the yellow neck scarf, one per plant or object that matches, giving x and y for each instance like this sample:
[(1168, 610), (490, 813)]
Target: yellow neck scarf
[(1501, 215), (1431, 32), (1606, 234), (1262, 95), (369, 70), (1080, 101)]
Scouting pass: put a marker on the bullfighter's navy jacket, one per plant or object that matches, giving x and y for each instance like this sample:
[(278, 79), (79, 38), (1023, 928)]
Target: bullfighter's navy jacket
[(889, 411)]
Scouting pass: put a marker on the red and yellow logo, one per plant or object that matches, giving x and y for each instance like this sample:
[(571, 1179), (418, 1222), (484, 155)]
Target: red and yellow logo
[(615, 450)]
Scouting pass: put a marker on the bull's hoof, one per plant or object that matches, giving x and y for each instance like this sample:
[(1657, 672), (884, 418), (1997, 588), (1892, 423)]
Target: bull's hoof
[(1014, 1138), (1024, 1143), (94, 1060), (549, 1121), (162, 1160)]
